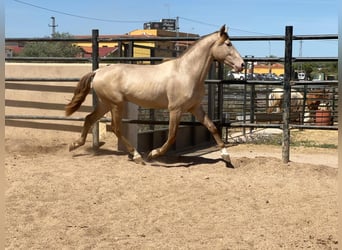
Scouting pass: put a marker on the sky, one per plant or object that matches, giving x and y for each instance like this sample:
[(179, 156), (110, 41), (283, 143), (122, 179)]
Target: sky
[(31, 18)]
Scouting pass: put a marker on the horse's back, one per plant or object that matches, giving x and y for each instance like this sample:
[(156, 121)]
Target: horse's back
[(144, 85)]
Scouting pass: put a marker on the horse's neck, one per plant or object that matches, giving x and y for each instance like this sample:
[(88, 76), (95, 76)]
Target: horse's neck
[(197, 60)]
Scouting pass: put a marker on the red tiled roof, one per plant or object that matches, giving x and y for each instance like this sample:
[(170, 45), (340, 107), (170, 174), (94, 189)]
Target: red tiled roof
[(15, 49), (103, 51), (110, 36)]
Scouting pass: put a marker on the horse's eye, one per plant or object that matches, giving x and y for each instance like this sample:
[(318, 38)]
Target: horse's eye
[(229, 44)]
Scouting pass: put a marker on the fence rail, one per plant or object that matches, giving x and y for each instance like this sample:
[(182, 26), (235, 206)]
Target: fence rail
[(215, 87)]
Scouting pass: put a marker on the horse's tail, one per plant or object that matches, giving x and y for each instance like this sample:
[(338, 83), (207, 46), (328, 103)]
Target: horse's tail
[(80, 93)]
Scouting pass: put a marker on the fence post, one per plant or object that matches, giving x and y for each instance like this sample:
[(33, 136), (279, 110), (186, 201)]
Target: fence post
[(95, 65), (287, 95), (220, 117), (211, 92), (252, 90)]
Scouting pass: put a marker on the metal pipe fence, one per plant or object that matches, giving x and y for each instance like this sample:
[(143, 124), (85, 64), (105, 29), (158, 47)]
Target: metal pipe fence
[(251, 92)]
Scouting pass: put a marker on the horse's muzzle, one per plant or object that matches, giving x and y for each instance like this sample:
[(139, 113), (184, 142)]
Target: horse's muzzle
[(239, 68)]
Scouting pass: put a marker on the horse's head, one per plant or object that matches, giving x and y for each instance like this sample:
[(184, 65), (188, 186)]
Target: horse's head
[(224, 51)]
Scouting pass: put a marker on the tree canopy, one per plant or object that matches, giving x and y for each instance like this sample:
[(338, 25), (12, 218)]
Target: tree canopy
[(312, 68), (51, 49)]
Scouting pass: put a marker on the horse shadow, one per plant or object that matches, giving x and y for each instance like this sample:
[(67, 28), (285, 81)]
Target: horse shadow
[(167, 161), (87, 151), (184, 161)]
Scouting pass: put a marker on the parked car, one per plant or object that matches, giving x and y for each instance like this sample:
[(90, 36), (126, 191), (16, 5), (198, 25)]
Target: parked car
[(301, 76), (235, 76)]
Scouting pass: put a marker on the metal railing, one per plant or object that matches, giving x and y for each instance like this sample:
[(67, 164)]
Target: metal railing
[(288, 59)]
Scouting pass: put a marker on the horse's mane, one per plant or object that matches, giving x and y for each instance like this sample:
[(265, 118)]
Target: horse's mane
[(195, 43), (189, 48)]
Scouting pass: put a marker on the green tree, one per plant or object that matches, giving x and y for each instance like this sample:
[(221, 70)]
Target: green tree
[(312, 68), (51, 49)]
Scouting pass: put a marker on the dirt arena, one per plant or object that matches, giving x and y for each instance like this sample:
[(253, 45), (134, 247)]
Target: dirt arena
[(81, 200)]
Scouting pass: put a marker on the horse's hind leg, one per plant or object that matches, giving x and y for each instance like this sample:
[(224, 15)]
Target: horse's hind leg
[(203, 118), (90, 119), (116, 127)]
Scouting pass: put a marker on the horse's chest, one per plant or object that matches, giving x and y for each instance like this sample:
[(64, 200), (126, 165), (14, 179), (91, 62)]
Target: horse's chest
[(186, 97), (196, 93)]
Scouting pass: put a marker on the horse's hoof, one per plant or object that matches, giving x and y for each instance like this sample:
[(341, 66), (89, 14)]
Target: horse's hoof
[(72, 146), (153, 154), (225, 156), (139, 160), (136, 157), (149, 157)]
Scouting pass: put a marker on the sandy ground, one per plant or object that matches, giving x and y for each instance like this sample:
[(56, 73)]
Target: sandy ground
[(84, 200)]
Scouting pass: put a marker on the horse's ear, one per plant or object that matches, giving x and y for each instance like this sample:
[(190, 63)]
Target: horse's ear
[(223, 30), (223, 34)]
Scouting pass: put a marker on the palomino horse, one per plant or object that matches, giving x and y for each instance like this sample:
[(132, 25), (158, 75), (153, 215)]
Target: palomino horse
[(313, 101), (275, 101), (177, 85)]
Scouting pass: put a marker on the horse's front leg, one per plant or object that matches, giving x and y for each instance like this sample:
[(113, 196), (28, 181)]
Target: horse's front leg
[(175, 116), (203, 118)]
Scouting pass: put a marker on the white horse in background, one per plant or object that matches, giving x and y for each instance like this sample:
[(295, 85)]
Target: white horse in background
[(176, 85), (314, 101), (275, 101)]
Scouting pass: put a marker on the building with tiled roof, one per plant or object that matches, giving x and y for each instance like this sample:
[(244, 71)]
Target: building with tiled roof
[(86, 51), (266, 68), (111, 46), (141, 48)]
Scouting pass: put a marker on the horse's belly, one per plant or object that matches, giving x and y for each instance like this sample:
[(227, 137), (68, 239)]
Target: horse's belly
[(148, 101)]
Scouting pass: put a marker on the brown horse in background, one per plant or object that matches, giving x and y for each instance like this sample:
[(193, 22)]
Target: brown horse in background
[(176, 85)]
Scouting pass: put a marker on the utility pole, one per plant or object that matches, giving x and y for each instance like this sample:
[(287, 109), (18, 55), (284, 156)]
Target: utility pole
[(177, 35), (53, 26), (300, 55)]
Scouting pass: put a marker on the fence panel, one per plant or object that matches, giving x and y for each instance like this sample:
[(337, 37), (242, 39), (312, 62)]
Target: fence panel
[(232, 104)]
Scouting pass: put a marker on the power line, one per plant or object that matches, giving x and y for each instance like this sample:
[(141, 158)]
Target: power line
[(199, 22), (236, 29), (125, 21), (79, 16), (216, 25), (135, 21)]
